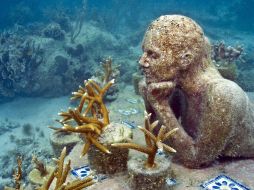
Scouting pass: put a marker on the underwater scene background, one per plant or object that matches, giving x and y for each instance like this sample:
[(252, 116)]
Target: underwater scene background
[(48, 48)]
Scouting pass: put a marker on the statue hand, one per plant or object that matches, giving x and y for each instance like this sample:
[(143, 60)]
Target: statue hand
[(159, 91)]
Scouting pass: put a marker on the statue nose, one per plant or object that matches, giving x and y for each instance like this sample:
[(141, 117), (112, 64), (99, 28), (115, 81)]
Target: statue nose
[(143, 62)]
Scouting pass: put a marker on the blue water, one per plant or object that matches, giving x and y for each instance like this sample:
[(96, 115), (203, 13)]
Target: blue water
[(49, 47)]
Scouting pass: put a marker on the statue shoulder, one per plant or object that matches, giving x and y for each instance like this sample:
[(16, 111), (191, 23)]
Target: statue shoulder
[(228, 93)]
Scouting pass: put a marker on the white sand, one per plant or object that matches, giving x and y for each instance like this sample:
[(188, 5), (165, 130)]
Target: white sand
[(39, 112), (42, 112)]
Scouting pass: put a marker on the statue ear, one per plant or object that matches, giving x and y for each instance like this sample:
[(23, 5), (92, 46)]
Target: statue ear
[(186, 60)]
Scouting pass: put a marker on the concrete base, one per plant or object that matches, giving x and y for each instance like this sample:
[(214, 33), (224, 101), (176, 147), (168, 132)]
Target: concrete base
[(108, 163), (142, 178), (117, 160), (241, 170), (59, 140)]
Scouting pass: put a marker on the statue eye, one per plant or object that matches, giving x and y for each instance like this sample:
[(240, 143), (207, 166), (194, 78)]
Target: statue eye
[(152, 54), (187, 56)]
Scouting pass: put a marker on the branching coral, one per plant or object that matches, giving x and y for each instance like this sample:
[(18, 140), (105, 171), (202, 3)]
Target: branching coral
[(40, 166), (107, 72), (107, 68), (60, 173), (91, 119), (18, 174), (153, 142), (224, 55)]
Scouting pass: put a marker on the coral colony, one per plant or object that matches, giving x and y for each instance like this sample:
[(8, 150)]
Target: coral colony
[(153, 142), (90, 120), (18, 174), (61, 172)]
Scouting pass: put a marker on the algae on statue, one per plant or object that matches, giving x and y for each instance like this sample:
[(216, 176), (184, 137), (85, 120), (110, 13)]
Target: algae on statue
[(218, 119)]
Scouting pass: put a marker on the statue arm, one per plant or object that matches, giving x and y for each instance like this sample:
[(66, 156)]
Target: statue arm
[(143, 92), (214, 130)]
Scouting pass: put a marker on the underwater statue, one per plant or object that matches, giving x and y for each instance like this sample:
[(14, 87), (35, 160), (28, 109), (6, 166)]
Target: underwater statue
[(184, 90)]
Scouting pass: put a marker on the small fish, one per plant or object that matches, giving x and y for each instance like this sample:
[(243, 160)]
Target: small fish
[(131, 125)]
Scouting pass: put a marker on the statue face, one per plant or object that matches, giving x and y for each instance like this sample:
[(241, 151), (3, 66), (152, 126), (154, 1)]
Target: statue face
[(156, 62), (172, 45)]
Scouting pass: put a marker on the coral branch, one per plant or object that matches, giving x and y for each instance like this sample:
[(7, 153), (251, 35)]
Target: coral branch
[(97, 144), (168, 148), (60, 173), (86, 147), (133, 146), (91, 115), (153, 142), (168, 134), (17, 176), (40, 166), (148, 133)]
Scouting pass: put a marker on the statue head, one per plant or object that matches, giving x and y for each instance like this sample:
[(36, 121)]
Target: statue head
[(172, 44)]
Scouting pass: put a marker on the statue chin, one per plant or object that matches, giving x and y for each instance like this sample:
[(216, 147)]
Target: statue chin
[(150, 80)]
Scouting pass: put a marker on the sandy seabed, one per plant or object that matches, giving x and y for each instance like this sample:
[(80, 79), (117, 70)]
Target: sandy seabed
[(41, 112)]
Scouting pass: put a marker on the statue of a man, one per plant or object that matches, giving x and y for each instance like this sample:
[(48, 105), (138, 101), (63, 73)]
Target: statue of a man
[(184, 89)]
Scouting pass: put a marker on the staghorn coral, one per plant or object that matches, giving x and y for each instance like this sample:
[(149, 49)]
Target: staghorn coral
[(152, 174), (60, 173), (40, 173), (92, 122), (39, 165), (107, 73), (107, 70), (17, 176), (116, 161), (153, 142), (91, 119)]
